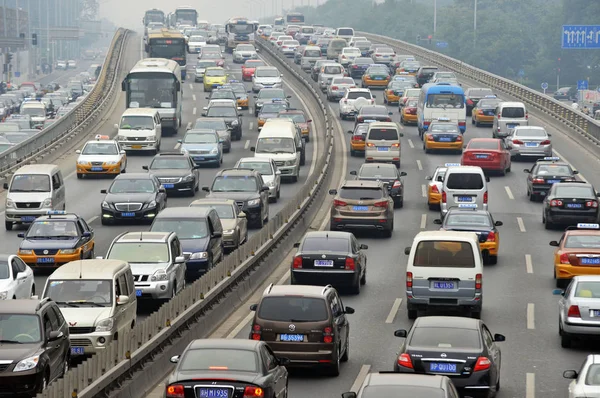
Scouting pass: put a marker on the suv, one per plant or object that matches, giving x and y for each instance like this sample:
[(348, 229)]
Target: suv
[(247, 188), (156, 260), (306, 324), (39, 354)]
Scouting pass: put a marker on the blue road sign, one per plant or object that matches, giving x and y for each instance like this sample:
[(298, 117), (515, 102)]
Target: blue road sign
[(521, 73), (17, 74), (544, 86), (582, 84), (442, 44), (581, 36)]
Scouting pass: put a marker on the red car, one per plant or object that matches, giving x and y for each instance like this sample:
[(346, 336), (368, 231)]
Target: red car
[(249, 67), (490, 154)]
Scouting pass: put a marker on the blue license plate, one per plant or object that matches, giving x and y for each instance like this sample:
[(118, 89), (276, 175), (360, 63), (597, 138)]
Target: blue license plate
[(213, 392), (198, 159), (128, 214), (167, 186), (360, 208), (445, 139), (590, 261), (96, 168), (383, 149), (443, 285), (463, 199), (138, 292), (291, 337), (552, 181), (596, 313), (77, 351), (442, 367), (481, 156), (323, 263), (574, 205), (531, 144), (27, 218), (511, 126), (45, 260), (378, 78)]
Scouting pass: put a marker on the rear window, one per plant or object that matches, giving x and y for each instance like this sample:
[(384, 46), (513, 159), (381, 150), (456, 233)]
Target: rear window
[(332, 70), (593, 375), (337, 44), (476, 144), (345, 32), (383, 134), (448, 338), (359, 94), (360, 193), (448, 254), (531, 133), (588, 290), (513, 112), (574, 192), (312, 53), (328, 244), (219, 359), (554, 169), (461, 219), (401, 391), (583, 242), (464, 181), (293, 309)]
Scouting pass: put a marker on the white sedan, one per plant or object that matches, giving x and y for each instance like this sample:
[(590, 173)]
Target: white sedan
[(16, 278), (586, 383)]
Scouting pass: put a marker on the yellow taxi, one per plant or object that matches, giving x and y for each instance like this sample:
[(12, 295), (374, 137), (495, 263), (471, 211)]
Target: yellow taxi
[(214, 77), (408, 112), (357, 141), (376, 76), (577, 253), (483, 112), (56, 239), (394, 91), (434, 188), (101, 156), (443, 135)]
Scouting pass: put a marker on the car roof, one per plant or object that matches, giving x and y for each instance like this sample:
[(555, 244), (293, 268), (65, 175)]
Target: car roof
[(144, 236), (134, 176), (296, 290), (88, 269), (58, 217), (23, 306), (574, 184), (455, 322), (183, 212), (243, 344), (400, 379), (328, 234)]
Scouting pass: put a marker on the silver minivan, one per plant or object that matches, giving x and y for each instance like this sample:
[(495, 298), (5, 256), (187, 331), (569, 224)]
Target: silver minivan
[(464, 185), (508, 116), (382, 143), (328, 72)]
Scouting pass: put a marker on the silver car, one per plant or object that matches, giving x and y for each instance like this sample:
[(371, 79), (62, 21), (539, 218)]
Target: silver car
[(266, 77), (310, 55), (383, 55), (530, 141), (244, 52), (338, 87), (328, 72), (269, 172), (288, 47), (579, 309)]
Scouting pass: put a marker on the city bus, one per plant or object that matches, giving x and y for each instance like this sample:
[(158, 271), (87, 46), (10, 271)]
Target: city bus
[(169, 44), (239, 30), (186, 16), (279, 21), (295, 18), (441, 101), (156, 83), (153, 15)]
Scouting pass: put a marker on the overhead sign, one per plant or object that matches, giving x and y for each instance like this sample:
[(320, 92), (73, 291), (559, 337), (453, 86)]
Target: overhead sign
[(580, 36), (442, 44), (582, 84)]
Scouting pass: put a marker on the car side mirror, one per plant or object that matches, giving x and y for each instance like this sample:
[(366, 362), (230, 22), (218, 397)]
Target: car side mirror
[(401, 333), (103, 191), (487, 179), (350, 394), (253, 307), (174, 359), (264, 188), (180, 259), (350, 132), (217, 234), (570, 374), (499, 337), (407, 250), (349, 310), (254, 96), (558, 292), (277, 172), (162, 190), (309, 121), (575, 171), (116, 126), (206, 189), (549, 134), (5, 185), (206, 98), (289, 96), (526, 171), (21, 235), (21, 276), (144, 167), (437, 221), (241, 214), (403, 174), (252, 149), (401, 134), (86, 234), (429, 178), (353, 173), (283, 361), (203, 114), (122, 300), (390, 113), (297, 245), (554, 243), (333, 191), (498, 223), (363, 247), (78, 151)]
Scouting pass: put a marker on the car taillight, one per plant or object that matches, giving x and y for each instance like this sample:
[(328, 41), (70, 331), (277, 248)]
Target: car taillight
[(491, 237), (545, 142), (574, 312), (343, 56), (405, 361), (538, 180), (485, 197), (462, 124), (478, 281), (370, 145), (357, 137), (527, 115), (328, 335), (430, 137), (499, 116), (444, 197), (354, 66), (483, 363), (518, 142), (459, 138), (409, 280), (397, 184), (396, 145), (256, 332), (337, 203), (480, 112), (435, 189), (564, 258), (383, 203), (556, 202), (469, 102), (378, 55), (349, 265), (334, 87), (284, 46), (297, 262), (360, 119), (175, 391), (591, 203), (252, 392)]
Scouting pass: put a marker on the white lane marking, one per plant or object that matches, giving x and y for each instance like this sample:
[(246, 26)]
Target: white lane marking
[(424, 190), (194, 111), (393, 311), (410, 143), (509, 192), (419, 165), (530, 385), (569, 163), (247, 144), (91, 220), (194, 97), (177, 146), (530, 316), (251, 126), (528, 264), (191, 86), (521, 224), (362, 375), (423, 221)]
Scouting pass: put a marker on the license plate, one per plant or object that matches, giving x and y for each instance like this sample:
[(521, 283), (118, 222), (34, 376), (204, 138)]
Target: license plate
[(167, 186), (552, 181), (323, 263), (138, 292), (532, 144), (590, 261), (511, 126), (27, 218), (445, 139), (443, 285), (291, 337), (213, 392), (45, 260), (383, 149), (96, 168), (442, 367), (77, 351), (360, 208), (198, 159), (595, 313), (463, 199), (136, 147), (574, 205), (128, 214), (481, 156), (378, 78)]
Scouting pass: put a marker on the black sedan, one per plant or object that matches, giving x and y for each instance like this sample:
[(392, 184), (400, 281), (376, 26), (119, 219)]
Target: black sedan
[(176, 172), (358, 67), (133, 197), (388, 174), (373, 113), (544, 174), (473, 95), (233, 118), (569, 203), (231, 368), (330, 257), (461, 348)]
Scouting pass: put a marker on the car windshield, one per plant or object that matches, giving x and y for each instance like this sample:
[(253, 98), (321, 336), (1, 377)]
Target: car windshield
[(374, 110), (200, 138), (446, 338), (221, 111), (219, 359), (483, 144), (360, 193), (273, 108), (211, 124), (215, 72), (290, 43), (513, 112), (234, 184), (31, 111), (411, 104), (50, 229), (267, 72), (312, 53), (100, 148), (587, 289), (363, 61), (185, 229), (238, 88), (164, 163), (351, 51), (401, 391), (524, 132), (488, 104), (400, 84), (4, 271), (319, 244), (129, 185), (30, 183), (140, 252), (377, 172), (205, 64), (275, 145), (583, 242), (264, 168), (583, 191), (223, 94), (212, 56), (293, 309), (295, 117), (20, 329), (480, 92), (224, 211), (384, 50), (343, 80), (80, 292), (460, 219), (137, 123)]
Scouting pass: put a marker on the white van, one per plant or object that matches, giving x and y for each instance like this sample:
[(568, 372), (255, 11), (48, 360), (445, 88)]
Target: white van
[(464, 185), (101, 301), (508, 116), (36, 110), (444, 269), (32, 191), (382, 143), (278, 140), (345, 33), (140, 130)]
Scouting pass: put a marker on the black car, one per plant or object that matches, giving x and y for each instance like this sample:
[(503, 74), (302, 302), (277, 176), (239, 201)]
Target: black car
[(388, 174), (566, 93), (35, 346), (330, 257), (233, 118), (268, 95), (544, 173), (176, 172), (247, 188), (473, 95), (485, 108), (358, 67), (392, 384), (425, 73), (570, 203), (373, 113), (463, 349), (133, 197), (230, 368)]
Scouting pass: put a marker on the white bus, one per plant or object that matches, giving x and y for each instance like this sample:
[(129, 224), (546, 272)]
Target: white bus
[(156, 83)]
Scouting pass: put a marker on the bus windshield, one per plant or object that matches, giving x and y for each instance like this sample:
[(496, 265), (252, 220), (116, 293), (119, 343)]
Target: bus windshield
[(151, 90), (240, 29), (450, 100)]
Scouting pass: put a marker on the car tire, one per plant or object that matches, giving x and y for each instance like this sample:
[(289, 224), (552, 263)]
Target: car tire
[(355, 289), (476, 314), (42, 387), (548, 224), (387, 233), (334, 369), (412, 314), (227, 150), (565, 340), (79, 176), (8, 225), (493, 260), (294, 178), (346, 356)]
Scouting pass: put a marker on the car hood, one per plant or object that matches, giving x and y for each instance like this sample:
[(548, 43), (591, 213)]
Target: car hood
[(164, 173), (48, 244), (17, 352), (234, 195), (129, 197), (228, 223), (98, 158), (29, 196), (84, 315), (195, 147), (194, 245), (147, 268)]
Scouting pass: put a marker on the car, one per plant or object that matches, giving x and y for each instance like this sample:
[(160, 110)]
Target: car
[(358, 66), (61, 65), (219, 125), (157, 262), (375, 76), (357, 141), (491, 154), (270, 110), (323, 44), (298, 116), (317, 66), (101, 156), (570, 202), (529, 141), (577, 253), (330, 257), (248, 190), (286, 315), (231, 115), (348, 55), (310, 55), (227, 366), (383, 55), (195, 44), (565, 93), (484, 110), (268, 170), (240, 93), (37, 342), (222, 93), (373, 113), (362, 205), (408, 112), (434, 187), (133, 197), (281, 39), (177, 172), (409, 80), (351, 103), (233, 220), (328, 72), (474, 94), (464, 349), (16, 278), (546, 172), (244, 52), (214, 77), (55, 239), (443, 135), (289, 47), (409, 66), (338, 86), (207, 54), (394, 90), (266, 77), (267, 95), (249, 67), (585, 382), (425, 73), (397, 384), (203, 146), (444, 77), (386, 173)]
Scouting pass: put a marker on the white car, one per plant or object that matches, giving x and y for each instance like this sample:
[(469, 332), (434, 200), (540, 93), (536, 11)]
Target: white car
[(195, 44), (338, 87), (348, 55), (288, 47), (101, 156), (281, 39), (61, 64), (244, 52), (349, 105), (586, 382), (269, 172), (71, 64), (16, 278)]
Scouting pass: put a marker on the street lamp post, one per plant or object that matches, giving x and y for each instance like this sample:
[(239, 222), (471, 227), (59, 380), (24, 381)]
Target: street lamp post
[(434, 16), (475, 23)]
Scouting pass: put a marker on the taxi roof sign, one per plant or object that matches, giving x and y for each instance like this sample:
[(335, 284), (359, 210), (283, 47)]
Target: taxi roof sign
[(490, 96), (102, 137), (452, 164), (467, 206), (588, 226), (56, 212)]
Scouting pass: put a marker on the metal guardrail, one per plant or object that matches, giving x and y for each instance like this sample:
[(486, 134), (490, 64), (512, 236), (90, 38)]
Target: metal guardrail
[(77, 119), (136, 348), (583, 124)]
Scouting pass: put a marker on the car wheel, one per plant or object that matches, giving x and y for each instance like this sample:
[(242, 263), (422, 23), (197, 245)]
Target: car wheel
[(8, 225), (548, 224), (493, 260), (412, 314), (476, 314), (66, 365), (334, 370), (387, 233), (346, 354), (79, 176), (565, 340), (42, 387)]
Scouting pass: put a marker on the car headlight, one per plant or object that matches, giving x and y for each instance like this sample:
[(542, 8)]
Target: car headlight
[(105, 325), (151, 138), (27, 364), (3, 295), (199, 255), (253, 202), (25, 251), (83, 162), (160, 275), (221, 139), (105, 205), (228, 231), (111, 163), (184, 151), (152, 204), (290, 162), (68, 251), (214, 151), (188, 178), (47, 203), (10, 203)]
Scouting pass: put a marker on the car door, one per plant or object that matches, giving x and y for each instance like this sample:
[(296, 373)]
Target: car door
[(362, 259), (179, 268), (157, 127), (121, 311), (161, 197), (242, 222), (340, 321), (65, 345), (53, 348), (277, 176), (276, 374), (87, 241), (493, 352), (23, 278)]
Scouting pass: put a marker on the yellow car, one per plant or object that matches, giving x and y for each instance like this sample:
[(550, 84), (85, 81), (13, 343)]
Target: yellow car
[(483, 112), (101, 156), (443, 135), (394, 91), (577, 253), (214, 77), (376, 76), (408, 112), (357, 141), (240, 93), (434, 188)]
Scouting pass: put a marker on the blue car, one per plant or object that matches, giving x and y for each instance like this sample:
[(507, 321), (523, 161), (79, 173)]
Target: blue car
[(203, 146)]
